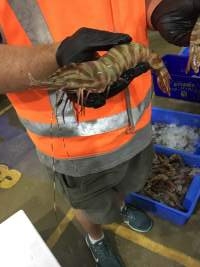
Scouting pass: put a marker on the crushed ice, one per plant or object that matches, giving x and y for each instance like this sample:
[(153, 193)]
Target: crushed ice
[(181, 137)]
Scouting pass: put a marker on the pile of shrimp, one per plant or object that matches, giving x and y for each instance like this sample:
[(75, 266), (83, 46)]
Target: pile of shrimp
[(170, 180)]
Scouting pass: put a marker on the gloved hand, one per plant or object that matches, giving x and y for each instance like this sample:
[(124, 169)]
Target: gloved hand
[(97, 100), (83, 46), (84, 43), (175, 19)]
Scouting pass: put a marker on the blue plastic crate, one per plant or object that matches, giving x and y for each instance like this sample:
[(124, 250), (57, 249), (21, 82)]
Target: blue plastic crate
[(184, 51), (160, 115), (163, 211), (183, 86)]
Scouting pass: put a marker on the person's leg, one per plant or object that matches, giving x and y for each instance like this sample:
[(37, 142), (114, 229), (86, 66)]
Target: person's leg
[(95, 239), (95, 203), (94, 230)]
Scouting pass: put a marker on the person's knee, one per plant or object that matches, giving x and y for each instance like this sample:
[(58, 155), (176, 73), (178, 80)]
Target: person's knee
[(105, 210)]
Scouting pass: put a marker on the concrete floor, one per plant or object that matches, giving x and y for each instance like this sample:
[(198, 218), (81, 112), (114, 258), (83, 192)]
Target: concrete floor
[(166, 245)]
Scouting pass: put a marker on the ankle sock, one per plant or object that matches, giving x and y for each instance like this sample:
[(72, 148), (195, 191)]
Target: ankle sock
[(93, 241)]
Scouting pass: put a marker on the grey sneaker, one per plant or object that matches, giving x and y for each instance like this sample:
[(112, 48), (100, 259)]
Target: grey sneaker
[(136, 219), (102, 254)]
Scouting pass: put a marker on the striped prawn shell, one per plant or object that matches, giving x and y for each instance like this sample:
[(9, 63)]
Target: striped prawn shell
[(194, 56), (96, 76)]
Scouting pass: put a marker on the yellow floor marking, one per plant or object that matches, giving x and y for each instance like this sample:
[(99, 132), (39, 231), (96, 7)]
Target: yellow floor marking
[(134, 237), (55, 236), (153, 246), (4, 110), (8, 177)]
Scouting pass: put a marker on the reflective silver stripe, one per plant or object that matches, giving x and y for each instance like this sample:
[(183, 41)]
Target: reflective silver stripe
[(31, 19), (83, 166), (71, 128)]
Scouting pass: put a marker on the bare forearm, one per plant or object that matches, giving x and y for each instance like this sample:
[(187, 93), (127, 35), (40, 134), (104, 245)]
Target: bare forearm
[(17, 62)]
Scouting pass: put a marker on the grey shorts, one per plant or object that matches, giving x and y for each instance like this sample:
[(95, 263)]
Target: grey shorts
[(97, 194)]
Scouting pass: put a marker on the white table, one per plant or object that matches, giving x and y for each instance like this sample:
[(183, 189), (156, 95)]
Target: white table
[(21, 245)]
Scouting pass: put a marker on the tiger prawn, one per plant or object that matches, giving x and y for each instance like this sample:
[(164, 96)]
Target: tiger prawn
[(194, 55), (98, 75)]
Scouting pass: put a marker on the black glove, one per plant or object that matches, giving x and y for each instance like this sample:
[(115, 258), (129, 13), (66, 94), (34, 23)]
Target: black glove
[(97, 100), (84, 43), (175, 19), (83, 46)]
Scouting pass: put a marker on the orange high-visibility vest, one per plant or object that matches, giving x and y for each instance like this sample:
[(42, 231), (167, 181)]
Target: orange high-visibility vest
[(99, 140)]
